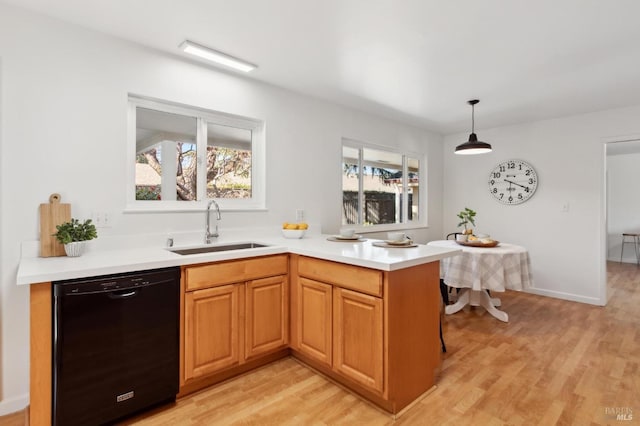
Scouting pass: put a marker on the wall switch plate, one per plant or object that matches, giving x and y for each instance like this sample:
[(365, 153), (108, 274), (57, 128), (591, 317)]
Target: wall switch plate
[(299, 215)]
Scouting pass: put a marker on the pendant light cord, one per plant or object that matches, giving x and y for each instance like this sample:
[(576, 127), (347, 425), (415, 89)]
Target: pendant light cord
[(473, 121)]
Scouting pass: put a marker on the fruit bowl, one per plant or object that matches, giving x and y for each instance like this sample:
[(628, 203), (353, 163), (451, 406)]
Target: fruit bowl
[(293, 233)]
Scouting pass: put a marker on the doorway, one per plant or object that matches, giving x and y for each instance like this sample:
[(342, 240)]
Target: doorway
[(621, 205)]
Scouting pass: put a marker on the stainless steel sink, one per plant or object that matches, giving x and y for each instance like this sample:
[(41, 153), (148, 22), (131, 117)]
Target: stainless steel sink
[(217, 248)]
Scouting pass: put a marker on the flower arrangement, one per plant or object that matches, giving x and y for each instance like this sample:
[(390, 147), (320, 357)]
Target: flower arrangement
[(466, 217)]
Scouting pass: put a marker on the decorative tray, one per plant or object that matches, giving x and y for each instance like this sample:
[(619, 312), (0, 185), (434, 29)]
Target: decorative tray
[(478, 243), (337, 238), (387, 244)]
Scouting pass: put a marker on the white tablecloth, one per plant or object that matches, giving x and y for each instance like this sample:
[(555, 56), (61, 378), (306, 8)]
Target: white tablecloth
[(506, 266)]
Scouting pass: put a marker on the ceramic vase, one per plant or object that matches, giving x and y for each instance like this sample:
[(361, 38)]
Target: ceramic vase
[(74, 249)]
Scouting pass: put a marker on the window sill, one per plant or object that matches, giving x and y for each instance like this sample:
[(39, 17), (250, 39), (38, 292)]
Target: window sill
[(386, 228), (195, 207)]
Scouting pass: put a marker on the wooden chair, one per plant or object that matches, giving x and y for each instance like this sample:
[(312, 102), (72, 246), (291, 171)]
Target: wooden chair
[(444, 289), (445, 301)]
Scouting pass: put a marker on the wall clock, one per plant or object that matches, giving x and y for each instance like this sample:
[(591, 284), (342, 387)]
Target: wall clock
[(513, 182)]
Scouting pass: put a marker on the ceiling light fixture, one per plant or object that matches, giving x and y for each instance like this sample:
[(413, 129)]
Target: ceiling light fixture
[(473, 146), (215, 56)]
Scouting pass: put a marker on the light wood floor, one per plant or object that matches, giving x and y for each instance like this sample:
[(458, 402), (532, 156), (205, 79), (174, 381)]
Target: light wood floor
[(555, 362)]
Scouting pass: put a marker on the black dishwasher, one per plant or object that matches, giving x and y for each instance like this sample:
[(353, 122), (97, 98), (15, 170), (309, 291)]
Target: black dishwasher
[(115, 345)]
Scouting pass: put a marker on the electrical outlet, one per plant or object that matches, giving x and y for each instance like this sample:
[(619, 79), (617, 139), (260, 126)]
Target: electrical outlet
[(96, 218), (101, 219), (106, 220), (299, 215)]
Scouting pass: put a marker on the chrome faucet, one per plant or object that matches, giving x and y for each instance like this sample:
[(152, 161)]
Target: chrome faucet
[(208, 235)]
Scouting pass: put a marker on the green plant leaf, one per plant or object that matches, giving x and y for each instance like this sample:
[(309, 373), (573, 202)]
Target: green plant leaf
[(74, 230)]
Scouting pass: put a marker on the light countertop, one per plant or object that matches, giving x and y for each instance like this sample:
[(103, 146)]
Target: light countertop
[(114, 256)]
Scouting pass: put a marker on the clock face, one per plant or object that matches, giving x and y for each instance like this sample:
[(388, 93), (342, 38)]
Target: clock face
[(513, 182)]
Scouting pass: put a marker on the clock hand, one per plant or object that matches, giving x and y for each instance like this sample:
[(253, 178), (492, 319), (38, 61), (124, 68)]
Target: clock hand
[(515, 183)]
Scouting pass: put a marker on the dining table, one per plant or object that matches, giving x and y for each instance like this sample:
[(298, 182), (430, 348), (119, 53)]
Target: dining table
[(479, 270)]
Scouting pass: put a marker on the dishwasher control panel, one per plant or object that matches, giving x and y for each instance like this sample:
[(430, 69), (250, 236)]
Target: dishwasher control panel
[(109, 283)]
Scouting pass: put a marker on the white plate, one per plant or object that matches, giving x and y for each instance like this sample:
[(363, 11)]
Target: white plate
[(353, 237), (399, 243), (387, 245)]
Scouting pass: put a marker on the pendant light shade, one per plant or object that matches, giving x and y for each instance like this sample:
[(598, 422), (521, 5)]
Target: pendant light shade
[(473, 145)]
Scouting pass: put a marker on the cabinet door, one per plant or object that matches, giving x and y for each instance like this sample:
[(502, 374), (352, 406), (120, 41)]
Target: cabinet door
[(267, 318), (211, 330), (358, 337), (314, 317)]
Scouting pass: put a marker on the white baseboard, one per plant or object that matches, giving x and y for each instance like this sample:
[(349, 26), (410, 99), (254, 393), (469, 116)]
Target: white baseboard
[(11, 405), (624, 259), (565, 296)]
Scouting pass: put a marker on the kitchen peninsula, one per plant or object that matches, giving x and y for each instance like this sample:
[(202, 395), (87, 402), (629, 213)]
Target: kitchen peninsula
[(364, 316)]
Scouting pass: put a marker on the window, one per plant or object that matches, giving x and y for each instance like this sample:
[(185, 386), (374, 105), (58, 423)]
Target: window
[(380, 187), (181, 156)]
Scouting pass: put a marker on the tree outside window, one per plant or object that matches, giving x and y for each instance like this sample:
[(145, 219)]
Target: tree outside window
[(172, 142)]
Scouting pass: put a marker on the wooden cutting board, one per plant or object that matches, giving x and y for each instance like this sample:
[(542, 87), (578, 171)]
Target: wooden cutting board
[(52, 214)]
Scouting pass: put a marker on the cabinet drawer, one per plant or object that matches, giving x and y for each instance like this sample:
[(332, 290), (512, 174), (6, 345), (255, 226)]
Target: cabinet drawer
[(234, 271), (348, 276)]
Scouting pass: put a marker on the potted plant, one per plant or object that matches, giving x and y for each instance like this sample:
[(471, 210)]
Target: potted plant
[(73, 235), (466, 217)]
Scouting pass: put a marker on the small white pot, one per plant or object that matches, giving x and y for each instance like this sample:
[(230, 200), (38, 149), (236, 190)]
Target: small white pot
[(74, 249)]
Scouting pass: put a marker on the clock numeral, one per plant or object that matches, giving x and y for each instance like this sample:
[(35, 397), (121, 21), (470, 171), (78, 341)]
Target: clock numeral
[(495, 190), (496, 175), (501, 195), (526, 189), (530, 181), (520, 196), (503, 169), (511, 165), (527, 172)]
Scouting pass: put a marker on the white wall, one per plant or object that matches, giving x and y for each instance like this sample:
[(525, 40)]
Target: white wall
[(623, 215), (63, 129), (566, 248)]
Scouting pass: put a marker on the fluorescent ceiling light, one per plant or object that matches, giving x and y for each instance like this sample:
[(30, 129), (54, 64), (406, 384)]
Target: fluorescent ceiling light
[(215, 56)]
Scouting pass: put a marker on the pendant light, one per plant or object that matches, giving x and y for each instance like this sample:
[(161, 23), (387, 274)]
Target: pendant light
[(473, 146)]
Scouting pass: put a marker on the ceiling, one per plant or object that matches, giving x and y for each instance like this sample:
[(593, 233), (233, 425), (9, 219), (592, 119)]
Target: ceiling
[(417, 61)]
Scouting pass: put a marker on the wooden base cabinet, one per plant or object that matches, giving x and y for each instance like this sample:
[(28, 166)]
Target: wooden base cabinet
[(267, 315), (211, 330), (235, 313), (315, 319), (376, 332), (357, 337), (384, 342)]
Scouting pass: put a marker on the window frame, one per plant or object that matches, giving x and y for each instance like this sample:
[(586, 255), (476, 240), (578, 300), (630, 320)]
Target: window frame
[(257, 202), (422, 188)]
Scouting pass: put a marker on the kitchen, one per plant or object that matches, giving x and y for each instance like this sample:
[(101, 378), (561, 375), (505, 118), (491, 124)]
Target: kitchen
[(66, 105)]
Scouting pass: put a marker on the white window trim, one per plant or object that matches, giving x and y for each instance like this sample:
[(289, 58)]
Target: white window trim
[(422, 206), (203, 116)]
